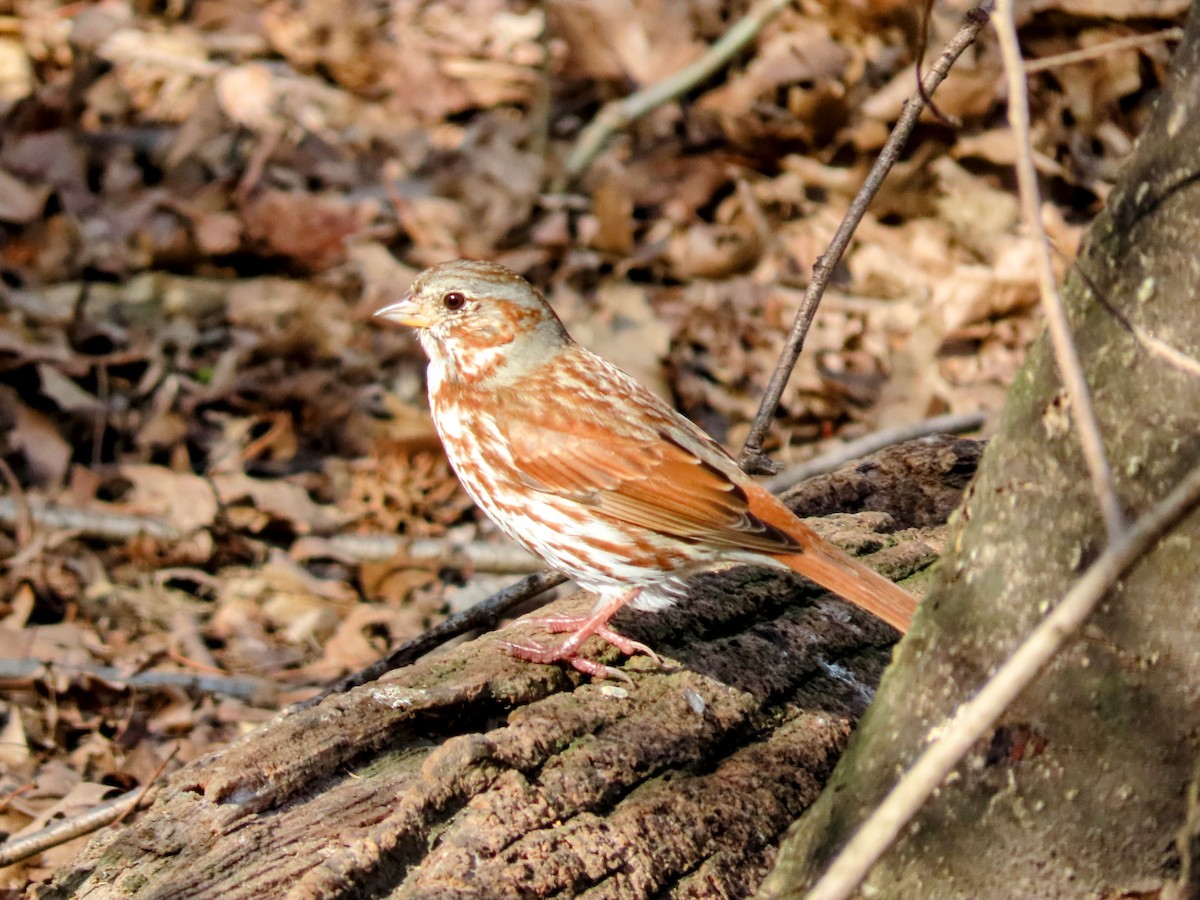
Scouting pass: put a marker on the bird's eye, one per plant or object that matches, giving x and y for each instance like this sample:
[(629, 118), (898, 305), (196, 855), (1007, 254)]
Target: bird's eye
[(454, 301)]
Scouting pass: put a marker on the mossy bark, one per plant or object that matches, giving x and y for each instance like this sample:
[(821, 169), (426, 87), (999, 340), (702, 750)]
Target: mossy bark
[(1082, 789)]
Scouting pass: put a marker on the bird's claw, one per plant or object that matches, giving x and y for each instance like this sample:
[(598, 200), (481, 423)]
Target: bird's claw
[(536, 653), (627, 646)]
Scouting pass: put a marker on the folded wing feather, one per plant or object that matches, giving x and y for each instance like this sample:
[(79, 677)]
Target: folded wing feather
[(655, 483)]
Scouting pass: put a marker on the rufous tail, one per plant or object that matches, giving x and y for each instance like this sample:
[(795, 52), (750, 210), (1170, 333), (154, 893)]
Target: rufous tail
[(848, 578)]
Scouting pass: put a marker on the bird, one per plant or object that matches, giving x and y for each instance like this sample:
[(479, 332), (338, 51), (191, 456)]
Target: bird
[(593, 473)]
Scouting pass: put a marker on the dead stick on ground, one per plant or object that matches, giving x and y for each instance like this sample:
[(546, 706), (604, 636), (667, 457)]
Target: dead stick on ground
[(620, 113), (141, 798), (503, 558), (253, 690), (106, 525), (1133, 42), (976, 717), (64, 830), (107, 813), (1066, 355), (109, 525), (752, 459)]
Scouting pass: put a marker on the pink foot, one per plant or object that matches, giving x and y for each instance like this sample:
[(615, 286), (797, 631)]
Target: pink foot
[(561, 624), (582, 628), (536, 653)]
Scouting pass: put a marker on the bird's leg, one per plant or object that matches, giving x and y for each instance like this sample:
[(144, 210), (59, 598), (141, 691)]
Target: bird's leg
[(583, 627), (560, 624)]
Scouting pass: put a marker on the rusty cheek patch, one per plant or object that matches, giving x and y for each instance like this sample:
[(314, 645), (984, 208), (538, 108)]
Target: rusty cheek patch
[(522, 317), (497, 326), (484, 338)]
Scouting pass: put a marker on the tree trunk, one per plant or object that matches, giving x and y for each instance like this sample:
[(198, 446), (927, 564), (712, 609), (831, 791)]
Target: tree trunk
[(1082, 790), (472, 774)]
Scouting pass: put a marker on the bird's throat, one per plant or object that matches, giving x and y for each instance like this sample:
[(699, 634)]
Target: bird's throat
[(463, 361)]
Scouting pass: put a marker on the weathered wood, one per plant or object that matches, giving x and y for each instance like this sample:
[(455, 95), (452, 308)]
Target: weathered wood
[(472, 774)]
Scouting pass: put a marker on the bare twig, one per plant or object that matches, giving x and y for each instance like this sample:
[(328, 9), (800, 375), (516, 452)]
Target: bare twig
[(952, 423), (1152, 345), (1166, 352), (619, 113), (116, 526), (753, 460), (1132, 42), (140, 800), (106, 813), (974, 718), (64, 830), (503, 558), (103, 524), (483, 615), (1065, 353), (250, 689), (919, 57)]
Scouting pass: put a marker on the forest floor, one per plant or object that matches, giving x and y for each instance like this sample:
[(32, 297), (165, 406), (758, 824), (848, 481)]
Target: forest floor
[(221, 487)]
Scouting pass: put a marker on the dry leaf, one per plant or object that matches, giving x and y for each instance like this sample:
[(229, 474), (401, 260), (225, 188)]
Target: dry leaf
[(186, 501), (35, 436), (20, 201), (280, 500)]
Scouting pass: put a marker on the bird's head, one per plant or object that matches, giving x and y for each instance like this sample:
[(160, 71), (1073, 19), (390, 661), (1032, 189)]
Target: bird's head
[(478, 319)]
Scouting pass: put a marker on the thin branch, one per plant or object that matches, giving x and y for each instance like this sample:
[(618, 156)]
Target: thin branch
[(753, 460), (1152, 345), (141, 799), (1065, 353), (93, 819), (253, 690), (116, 526), (103, 524), (951, 423), (502, 558), (1132, 42), (1166, 352), (919, 57), (483, 615), (620, 113), (64, 830), (977, 716)]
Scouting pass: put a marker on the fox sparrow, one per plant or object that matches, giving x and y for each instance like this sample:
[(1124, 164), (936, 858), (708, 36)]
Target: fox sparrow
[(587, 469)]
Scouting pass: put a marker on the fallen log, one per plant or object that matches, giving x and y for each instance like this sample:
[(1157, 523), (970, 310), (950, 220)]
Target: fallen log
[(472, 774)]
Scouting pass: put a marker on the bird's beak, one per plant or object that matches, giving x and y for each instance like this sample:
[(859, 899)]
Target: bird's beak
[(406, 312)]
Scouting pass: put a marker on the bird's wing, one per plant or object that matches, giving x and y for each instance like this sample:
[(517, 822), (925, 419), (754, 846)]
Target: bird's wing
[(660, 473)]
